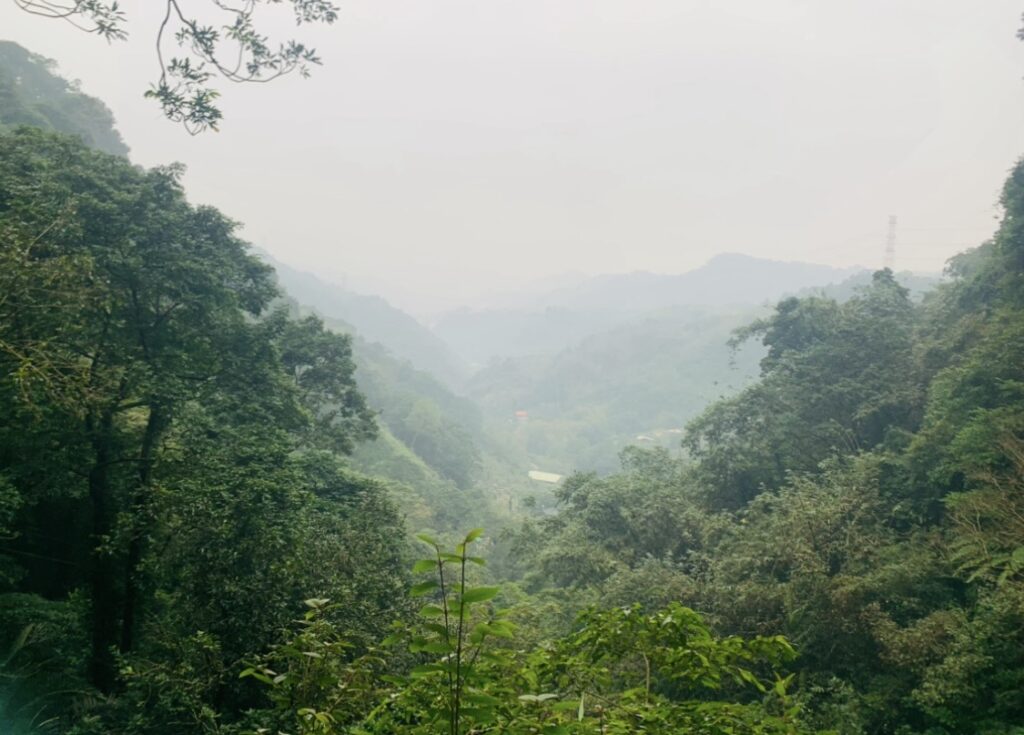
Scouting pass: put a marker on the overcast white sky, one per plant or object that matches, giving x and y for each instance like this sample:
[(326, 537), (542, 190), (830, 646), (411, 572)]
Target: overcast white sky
[(448, 147)]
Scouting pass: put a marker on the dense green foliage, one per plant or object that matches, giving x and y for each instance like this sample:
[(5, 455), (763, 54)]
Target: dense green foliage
[(863, 498), (191, 540), (175, 486), (163, 436), (621, 670), (431, 444)]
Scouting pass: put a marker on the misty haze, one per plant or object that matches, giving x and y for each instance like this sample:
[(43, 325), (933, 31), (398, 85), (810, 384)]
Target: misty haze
[(536, 368)]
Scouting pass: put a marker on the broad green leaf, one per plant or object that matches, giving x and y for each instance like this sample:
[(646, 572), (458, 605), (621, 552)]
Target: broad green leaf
[(473, 535), (481, 699), (480, 715), (418, 590), (477, 635), (501, 629), (479, 594), (440, 647), (427, 670), (424, 565)]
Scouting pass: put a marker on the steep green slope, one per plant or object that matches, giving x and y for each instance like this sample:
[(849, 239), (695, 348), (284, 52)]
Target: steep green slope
[(426, 499), (173, 473), (443, 469), (443, 429), (376, 320), (31, 93)]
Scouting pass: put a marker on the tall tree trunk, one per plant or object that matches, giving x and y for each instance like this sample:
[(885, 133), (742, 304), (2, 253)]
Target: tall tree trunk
[(103, 567), (141, 523)]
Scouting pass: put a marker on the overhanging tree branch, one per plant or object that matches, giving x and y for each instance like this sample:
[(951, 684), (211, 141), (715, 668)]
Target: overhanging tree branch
[(224, 43)]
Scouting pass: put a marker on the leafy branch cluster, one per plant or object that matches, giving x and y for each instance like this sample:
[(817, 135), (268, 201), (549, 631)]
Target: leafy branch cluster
[(227, 45), (621, 670)]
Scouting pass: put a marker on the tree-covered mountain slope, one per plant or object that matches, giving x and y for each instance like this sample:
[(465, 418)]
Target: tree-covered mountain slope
[(173, 472), (32, 93), (863, 497), (376, 320), (445, 429), (433, 444), (206, 492), (639, 382)]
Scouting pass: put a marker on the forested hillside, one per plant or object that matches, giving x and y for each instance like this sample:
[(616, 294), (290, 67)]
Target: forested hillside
[(640, 381), (176, 492), (376, 320), (31, 93), (862, 498), (432, 442), (159, 443), (213, 483), (431, 445), (445, 463)]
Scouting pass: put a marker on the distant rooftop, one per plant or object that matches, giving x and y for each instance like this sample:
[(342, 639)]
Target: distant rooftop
[(549, 477)]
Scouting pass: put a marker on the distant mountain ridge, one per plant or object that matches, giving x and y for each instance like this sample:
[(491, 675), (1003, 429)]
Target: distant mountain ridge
[(375, 320), (549, 322), (729, 279)]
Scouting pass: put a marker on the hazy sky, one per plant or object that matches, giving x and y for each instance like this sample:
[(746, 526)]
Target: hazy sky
[(452, 146)]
